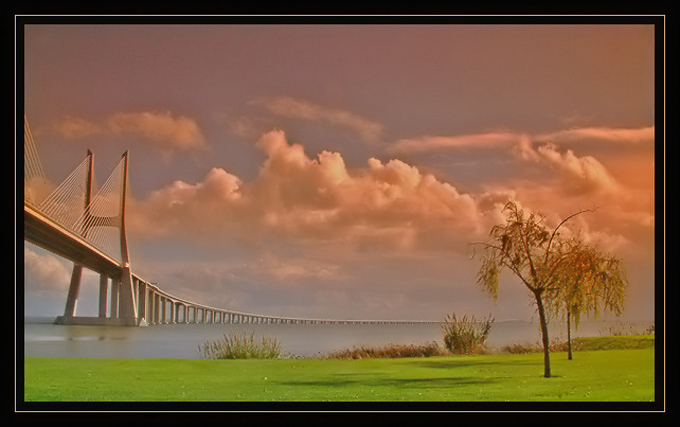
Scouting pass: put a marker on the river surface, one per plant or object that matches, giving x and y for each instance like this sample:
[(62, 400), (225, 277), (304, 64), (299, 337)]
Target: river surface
[(42, 338)]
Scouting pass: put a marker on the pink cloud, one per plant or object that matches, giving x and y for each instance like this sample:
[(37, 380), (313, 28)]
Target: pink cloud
[(385, 205), (581, 174), (166, 131), (517, 139), (76, 127), (171, 132), (285, 106), (483, 140), (616, 135), (46, 271)]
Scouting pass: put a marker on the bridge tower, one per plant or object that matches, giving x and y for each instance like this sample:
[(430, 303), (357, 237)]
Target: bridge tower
[(123, 304)]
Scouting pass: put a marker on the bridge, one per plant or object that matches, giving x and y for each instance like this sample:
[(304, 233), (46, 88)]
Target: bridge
[(86, 225)]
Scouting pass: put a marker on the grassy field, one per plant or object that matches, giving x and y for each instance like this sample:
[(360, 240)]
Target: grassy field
[(618, 375)]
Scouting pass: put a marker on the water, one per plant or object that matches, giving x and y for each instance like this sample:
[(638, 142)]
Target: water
[(42, 338)]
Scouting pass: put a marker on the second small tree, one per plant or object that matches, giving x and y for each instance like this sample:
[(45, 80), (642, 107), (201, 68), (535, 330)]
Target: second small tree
[(590, 281)]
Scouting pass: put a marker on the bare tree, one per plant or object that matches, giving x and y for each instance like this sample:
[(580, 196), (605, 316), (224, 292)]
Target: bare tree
[(533, 253), (590, 281)]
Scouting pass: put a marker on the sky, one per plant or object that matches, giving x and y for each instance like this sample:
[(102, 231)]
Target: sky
[(343, 171)]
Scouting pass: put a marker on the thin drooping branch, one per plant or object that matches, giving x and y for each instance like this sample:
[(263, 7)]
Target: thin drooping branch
[(554, 233)]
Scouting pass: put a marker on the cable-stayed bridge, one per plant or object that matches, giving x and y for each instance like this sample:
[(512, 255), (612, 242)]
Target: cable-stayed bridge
[(85, 224)]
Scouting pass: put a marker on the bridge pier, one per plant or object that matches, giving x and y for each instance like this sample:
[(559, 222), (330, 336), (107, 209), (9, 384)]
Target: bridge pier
[(103, 294), (108, 307), (73, 290), (141, 299), (176, 307), (164, 310), (113, 302)]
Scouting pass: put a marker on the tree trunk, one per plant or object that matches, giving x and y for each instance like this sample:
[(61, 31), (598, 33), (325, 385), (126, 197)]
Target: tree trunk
[(569, 335), (544, 333)]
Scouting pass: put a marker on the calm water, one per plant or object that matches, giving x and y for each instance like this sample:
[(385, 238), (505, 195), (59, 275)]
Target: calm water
[(42, 338)]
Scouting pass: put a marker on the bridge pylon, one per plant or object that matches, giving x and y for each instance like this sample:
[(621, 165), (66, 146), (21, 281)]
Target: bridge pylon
[(117, 293)]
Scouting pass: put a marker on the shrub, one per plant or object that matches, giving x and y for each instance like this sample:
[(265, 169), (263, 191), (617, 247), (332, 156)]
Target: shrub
[(619, 329), (466, 336), (241, 346), (615, 342), (536, 347), (522, 348), (389, 351)]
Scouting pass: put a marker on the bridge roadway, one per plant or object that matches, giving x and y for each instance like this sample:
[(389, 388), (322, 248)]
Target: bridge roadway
[(153, 305)]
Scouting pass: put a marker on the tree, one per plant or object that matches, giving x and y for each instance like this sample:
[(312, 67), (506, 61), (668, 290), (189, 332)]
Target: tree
[(533, 253), (589, 280)]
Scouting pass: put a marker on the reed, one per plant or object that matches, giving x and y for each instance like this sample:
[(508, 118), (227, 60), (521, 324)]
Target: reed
[(241, 346), (466, 335)]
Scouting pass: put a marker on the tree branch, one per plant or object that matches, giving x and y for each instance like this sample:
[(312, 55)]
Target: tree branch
[(552, 236)]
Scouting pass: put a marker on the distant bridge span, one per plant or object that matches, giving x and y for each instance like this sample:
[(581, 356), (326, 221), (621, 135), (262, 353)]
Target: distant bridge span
[(70, 221)]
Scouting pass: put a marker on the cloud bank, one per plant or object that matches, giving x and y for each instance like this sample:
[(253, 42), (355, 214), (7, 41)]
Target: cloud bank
[(385, 205)]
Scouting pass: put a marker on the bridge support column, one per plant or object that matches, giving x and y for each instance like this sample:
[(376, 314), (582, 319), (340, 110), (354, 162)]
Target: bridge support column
[(73, 290), (128, 305), (156, 308), (113, 303), (141, 298), (149, 306), (163, 310), (103, 294), (184, 313)]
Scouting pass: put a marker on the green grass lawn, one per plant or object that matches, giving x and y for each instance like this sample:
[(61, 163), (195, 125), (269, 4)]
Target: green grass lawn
[(592, 376)]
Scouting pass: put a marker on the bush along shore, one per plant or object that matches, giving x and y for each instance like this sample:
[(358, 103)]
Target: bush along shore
[(245, 346)]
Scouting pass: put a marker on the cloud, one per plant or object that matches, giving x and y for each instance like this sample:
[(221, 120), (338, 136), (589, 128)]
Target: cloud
[(484, 140), (293, 271), (168, 132), (75, 127), (385, 205), (188, 208), (302, 204), (171, 132), (642, 135), (296, 108), (580, 174), (45, 272)]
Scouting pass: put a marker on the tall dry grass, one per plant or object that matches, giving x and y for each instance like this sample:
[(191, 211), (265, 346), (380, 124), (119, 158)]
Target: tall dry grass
[(241, 346), (466, 335)]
